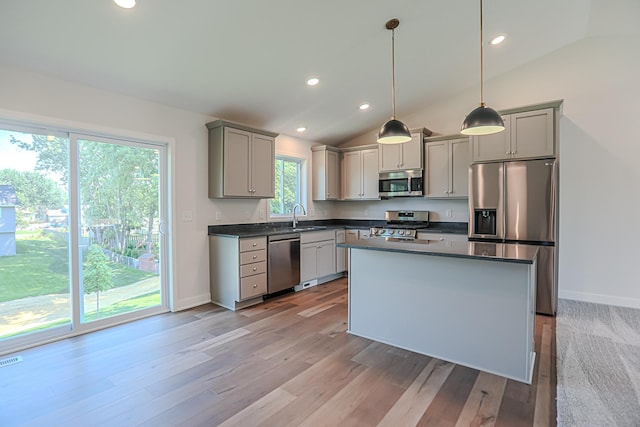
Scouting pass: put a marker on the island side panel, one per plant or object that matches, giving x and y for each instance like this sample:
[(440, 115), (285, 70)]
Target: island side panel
[(477, 313)]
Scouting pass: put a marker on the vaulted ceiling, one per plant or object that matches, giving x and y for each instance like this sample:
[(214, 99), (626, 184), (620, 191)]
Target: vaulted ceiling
[(248, 60)]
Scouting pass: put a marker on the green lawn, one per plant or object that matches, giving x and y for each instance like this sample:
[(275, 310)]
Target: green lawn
[(41, 267), (138, 303), (143, 301)]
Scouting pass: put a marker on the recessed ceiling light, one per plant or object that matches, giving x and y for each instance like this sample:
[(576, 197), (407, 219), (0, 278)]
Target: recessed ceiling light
[(301, 129), (498, 39), (313, 81), (364, 106), (126, 4)]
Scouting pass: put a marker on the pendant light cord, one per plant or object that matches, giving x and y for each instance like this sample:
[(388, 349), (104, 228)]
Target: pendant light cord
[(481, 61), (393, 73)]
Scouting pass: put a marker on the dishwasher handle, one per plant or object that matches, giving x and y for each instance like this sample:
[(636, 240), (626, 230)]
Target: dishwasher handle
[(281, 237)]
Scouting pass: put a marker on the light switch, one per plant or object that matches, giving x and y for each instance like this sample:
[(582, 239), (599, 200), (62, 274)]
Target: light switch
[(187, 216)]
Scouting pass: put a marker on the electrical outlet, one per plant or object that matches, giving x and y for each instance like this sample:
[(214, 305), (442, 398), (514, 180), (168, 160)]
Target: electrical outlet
[(312, 212), (218, 215), (187, 216), (262, 214), (449, 213), (366, 212)]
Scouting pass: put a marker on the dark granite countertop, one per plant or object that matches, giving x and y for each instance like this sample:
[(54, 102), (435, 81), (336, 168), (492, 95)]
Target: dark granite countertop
[(504, 252), (273, 228)]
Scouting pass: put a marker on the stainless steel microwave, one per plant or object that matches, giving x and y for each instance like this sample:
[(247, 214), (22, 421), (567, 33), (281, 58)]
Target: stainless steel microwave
[(406, 183)]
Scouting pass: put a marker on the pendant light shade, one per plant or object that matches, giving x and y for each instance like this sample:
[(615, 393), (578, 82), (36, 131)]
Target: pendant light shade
[(393, 131), (483, 120)]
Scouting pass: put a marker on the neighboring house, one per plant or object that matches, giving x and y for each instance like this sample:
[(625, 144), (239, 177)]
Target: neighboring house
[(8, 203)]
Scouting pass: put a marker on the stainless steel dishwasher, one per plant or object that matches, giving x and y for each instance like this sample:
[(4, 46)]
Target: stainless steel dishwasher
[(283, 271)]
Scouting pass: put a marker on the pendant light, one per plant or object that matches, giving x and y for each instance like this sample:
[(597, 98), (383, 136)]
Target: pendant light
[(483, 120), (393, 131)]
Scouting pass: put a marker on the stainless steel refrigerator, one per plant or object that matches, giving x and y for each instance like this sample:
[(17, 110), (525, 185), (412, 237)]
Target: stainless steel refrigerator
[(515, 202)]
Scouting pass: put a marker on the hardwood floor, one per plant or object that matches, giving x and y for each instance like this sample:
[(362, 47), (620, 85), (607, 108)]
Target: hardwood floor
[(287, 362)]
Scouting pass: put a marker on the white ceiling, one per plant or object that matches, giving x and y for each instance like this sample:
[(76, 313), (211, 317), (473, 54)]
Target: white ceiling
[(248, 60)]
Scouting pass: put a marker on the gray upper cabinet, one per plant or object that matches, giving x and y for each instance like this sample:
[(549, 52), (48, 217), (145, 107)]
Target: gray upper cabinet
[(446, 167), (241, 161), (326, 172), (393, 157), (527, 134), (360, 172)]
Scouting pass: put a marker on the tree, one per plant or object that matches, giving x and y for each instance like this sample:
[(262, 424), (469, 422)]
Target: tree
[(36, 193), (96, 274), (118, 183)]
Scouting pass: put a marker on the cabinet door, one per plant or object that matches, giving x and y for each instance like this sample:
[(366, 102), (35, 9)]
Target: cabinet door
[(237, 152), (352, 182), (308, 261), (262, 166), (390, 157), (437, 169), (326, 258), (333, 176), (492, 147), (532, 134), (460, 159), (412, 152), (341, 253), (370, 174)]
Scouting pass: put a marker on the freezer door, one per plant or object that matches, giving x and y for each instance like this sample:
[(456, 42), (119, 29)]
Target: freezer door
[(486, 218), (530, 194)]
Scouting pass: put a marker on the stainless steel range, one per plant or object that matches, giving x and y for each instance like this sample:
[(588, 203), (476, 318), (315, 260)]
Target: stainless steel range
[(402, 224)]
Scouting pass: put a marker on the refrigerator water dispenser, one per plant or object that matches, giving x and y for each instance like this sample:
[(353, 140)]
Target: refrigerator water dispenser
[(485, 222)]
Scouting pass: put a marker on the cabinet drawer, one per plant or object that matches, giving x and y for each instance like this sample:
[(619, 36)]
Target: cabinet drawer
[(252, 269), (317, 236), (253, 256), (253, 244), (253, 286), (443, 237)]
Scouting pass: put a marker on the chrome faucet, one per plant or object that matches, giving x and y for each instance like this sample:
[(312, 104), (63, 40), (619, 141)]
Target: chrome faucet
[(295, 220)]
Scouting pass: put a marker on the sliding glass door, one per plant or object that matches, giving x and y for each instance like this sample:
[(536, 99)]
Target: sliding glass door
[(35, 285), (82, 242), (120, 241)]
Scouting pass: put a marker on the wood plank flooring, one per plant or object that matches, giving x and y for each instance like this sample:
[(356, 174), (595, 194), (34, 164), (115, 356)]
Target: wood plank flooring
[(287, 362)]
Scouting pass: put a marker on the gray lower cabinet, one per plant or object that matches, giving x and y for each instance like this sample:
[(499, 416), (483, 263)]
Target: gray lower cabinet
[(237, 271), (317, 255), (341, 253)]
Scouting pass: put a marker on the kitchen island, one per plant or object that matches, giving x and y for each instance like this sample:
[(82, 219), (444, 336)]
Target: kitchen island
[(469, 303)]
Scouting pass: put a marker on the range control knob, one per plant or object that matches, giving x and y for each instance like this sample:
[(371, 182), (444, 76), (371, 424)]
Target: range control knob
[(391, 231), (401, 232)]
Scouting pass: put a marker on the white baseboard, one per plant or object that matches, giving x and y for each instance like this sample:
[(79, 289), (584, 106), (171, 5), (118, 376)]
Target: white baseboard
[(600, 299), (191, 302)]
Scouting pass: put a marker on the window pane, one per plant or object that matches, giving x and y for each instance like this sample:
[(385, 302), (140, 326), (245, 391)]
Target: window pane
[(287, 186), (119, 228), (34, 235)]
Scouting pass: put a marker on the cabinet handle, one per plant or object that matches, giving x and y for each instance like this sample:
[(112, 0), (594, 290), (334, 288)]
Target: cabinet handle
[(255, 269), (507, 153), (255, 286), (441, 239), (255, 256), (255, 244)]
